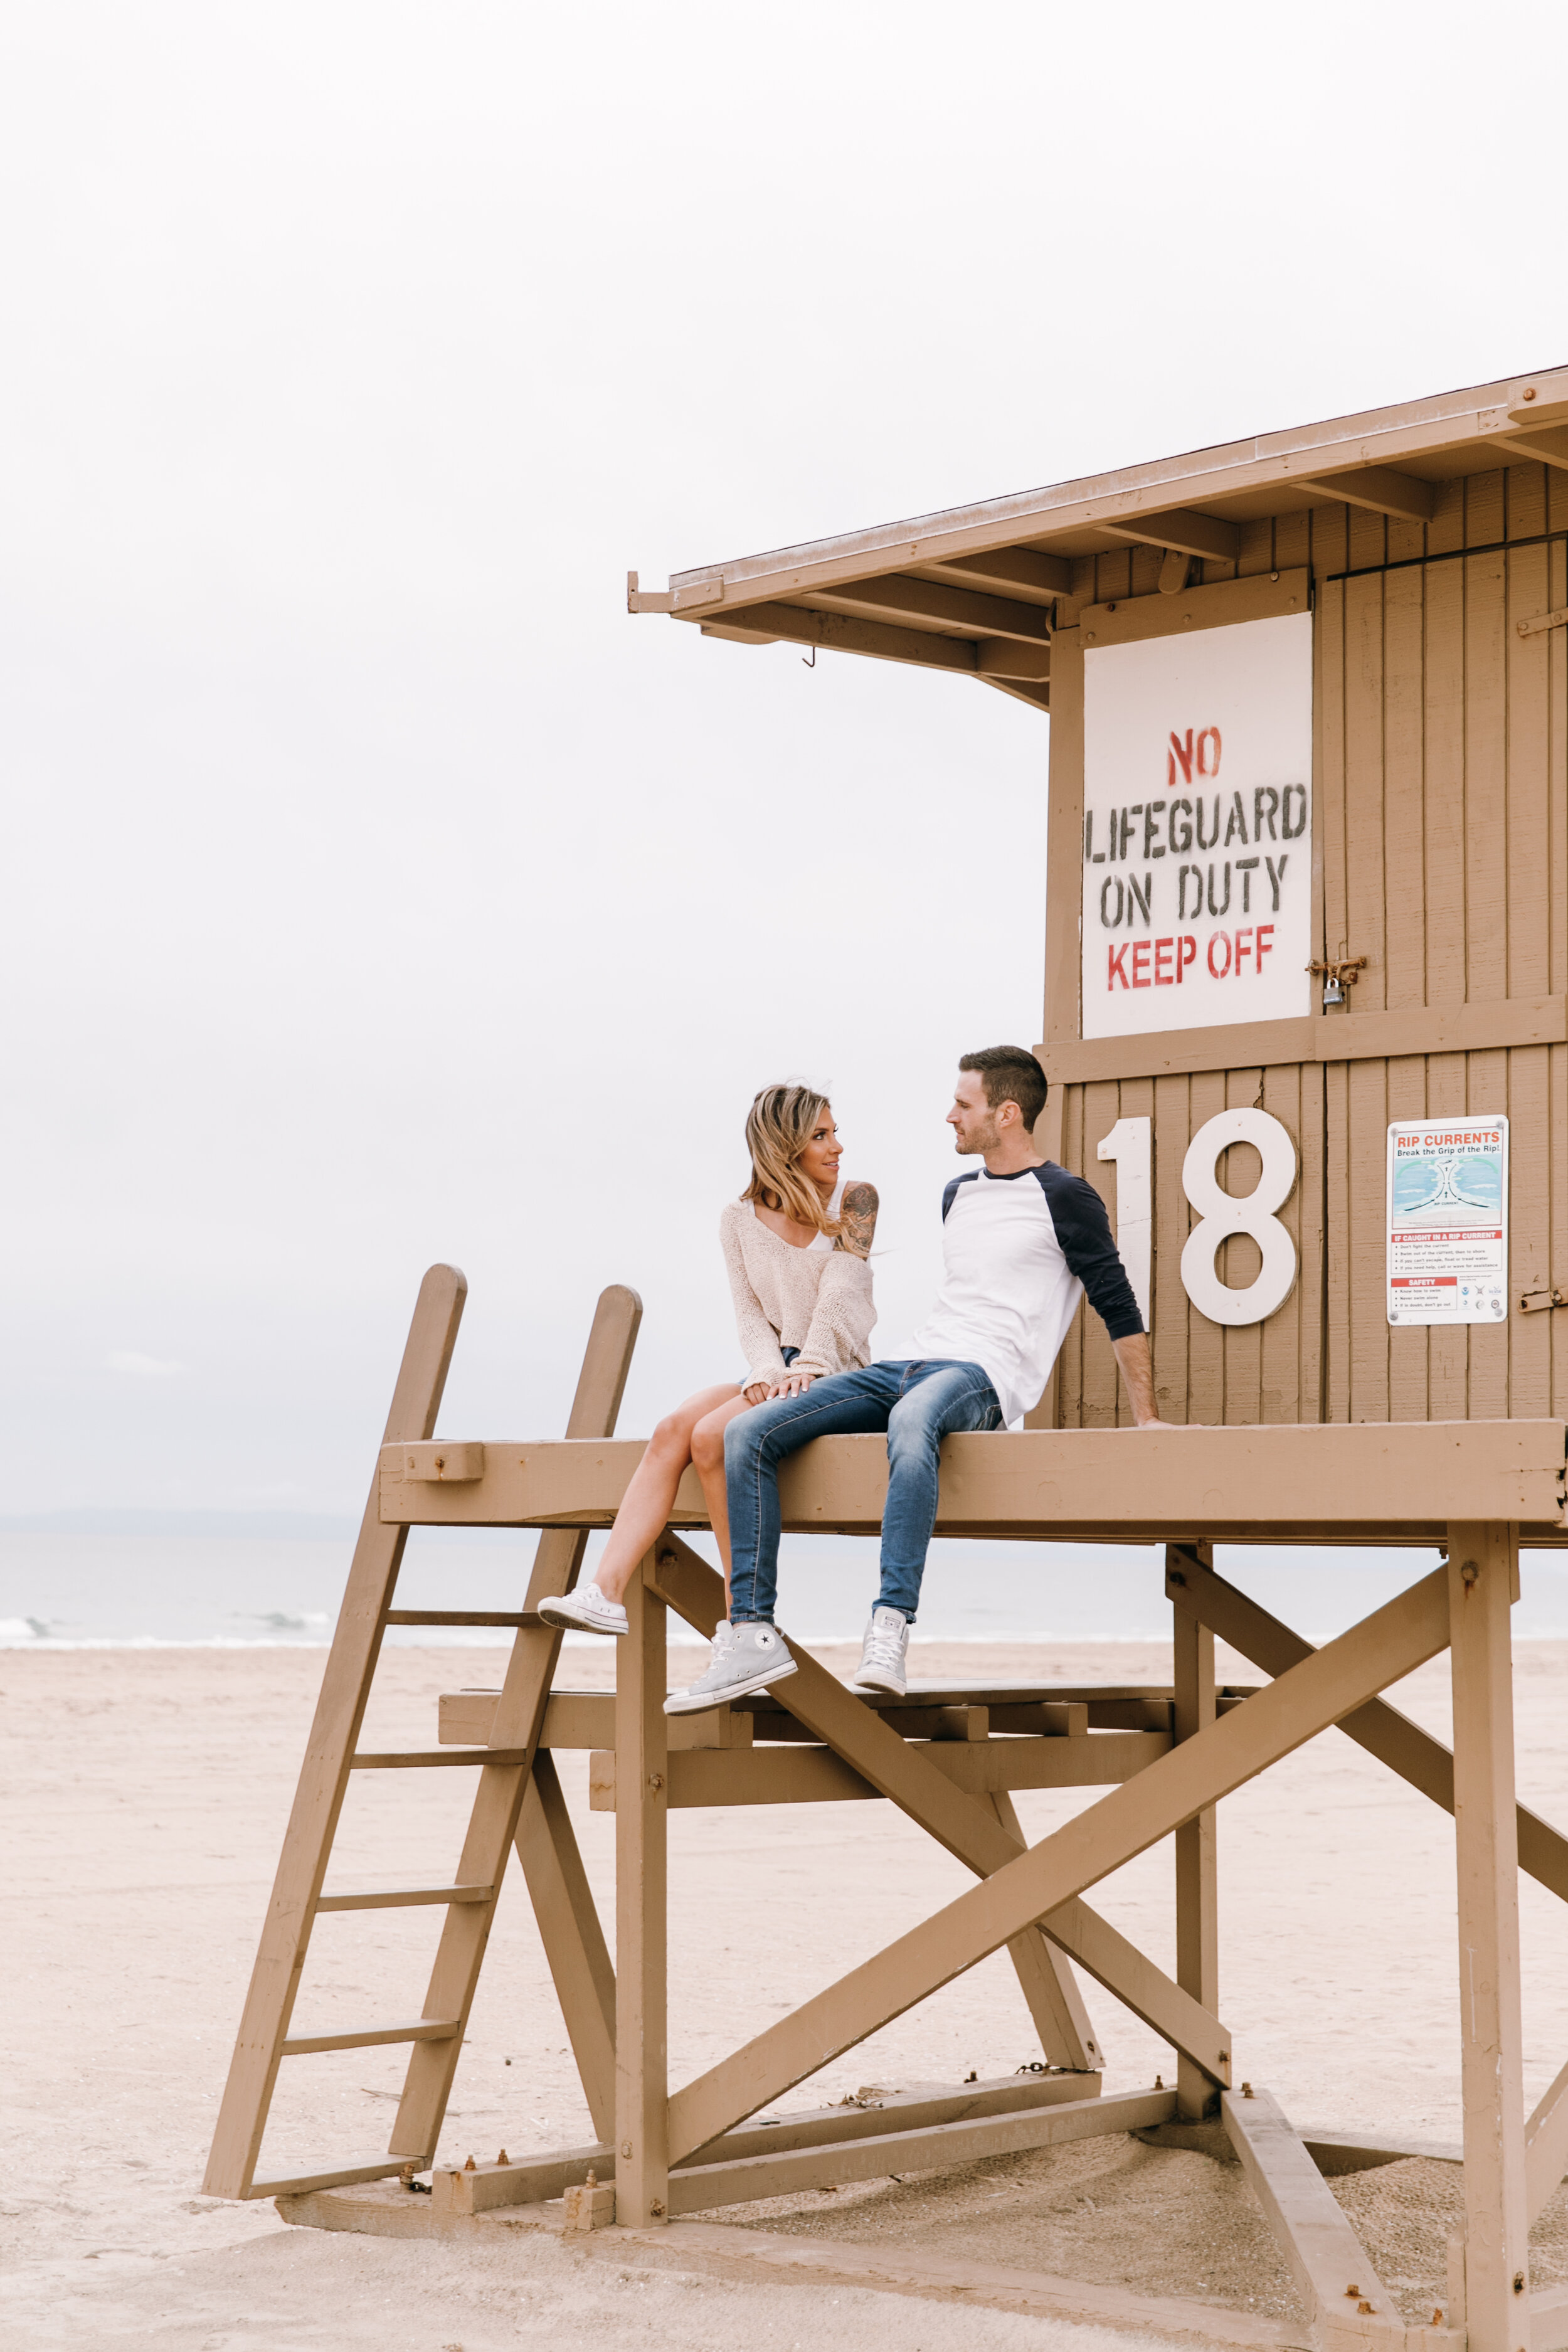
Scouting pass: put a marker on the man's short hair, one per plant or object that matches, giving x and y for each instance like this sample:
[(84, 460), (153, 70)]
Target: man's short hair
[(1010, 1074)]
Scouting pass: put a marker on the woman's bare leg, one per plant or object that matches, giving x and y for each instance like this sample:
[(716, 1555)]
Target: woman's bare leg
[(651, 1496), (708, 1455)]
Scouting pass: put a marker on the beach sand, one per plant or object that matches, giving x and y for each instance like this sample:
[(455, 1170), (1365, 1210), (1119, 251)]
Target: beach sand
[(146, 1794)]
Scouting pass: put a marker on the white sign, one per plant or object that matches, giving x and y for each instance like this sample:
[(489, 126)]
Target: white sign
[(1448, 1221), (1197, 844)]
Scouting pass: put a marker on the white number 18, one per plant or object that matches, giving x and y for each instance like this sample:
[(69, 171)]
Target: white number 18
[(1131, 1144)]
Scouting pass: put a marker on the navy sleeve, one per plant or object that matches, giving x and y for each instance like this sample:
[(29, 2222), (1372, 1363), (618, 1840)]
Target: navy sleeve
[(950, 1192), (1084, 1231)]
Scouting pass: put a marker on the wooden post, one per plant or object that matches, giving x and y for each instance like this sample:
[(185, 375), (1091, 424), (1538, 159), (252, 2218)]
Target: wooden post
[(642, 1772), (1197, 1910), (1483, 1583)]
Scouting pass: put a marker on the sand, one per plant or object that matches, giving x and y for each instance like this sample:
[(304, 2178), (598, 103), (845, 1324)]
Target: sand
[(146, 1794)]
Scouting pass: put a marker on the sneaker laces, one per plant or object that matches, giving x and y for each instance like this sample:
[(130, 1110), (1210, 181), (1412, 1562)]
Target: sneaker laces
[(884, 1647)]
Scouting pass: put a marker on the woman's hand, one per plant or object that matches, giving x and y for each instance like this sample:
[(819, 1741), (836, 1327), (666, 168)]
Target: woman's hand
[(791, 1384), (758, 1393)]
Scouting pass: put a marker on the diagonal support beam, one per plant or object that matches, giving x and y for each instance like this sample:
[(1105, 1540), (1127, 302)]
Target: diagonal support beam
[(965, 1826), (580, 1964), (1188, 532), (1330, 1684), (1340, 2291), (1546, 2148), (1378, 1728)]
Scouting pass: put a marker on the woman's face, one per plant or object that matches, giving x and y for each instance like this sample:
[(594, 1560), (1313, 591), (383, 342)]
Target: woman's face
[(818, 1163)]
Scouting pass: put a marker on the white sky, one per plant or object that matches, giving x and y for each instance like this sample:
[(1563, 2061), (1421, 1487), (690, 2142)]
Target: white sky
[(377, 890)]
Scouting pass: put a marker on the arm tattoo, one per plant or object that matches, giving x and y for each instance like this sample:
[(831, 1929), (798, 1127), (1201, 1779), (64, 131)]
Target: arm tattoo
[(857, 1219)]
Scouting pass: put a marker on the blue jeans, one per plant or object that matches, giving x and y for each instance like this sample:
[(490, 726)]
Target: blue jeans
[(918, 1405)]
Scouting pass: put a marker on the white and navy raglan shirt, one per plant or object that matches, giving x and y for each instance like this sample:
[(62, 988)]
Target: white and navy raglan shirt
[(1019, 1253)]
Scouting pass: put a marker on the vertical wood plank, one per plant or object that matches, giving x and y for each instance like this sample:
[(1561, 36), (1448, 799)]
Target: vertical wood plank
[(1331, 762), (1101, 1380), (1367, 1097), (1064, 879), (642, 1778), (1404, 945), (1337, 1243), (1136, 1101), (1407, 1351), (1240, 1262), (1293, 541), (1486, 776), (1482, 1582), (1445, 529), (1072, 1357), (1445, 784), (335, 1733), (1281, 1393), (1198, 1886), (1173, 1221), (1557, 1144), (1205, 1373), (1363, 886), (1527, 949), (1486, 1091), (1448, 1351), (1530, 1236), (1312, 1281)]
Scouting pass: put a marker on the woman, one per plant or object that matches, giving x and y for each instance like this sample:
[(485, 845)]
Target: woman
[(796, 1246)]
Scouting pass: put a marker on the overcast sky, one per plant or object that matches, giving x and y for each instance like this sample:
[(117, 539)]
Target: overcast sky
[(377, 890)]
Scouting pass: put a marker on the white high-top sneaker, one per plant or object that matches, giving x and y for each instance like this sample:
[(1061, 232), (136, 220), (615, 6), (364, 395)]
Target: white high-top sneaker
[(587, 1610), (746, 1657), (882, 1653)]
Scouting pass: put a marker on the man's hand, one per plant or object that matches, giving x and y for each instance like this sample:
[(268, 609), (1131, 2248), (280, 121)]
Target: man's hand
[(1137, 1372)]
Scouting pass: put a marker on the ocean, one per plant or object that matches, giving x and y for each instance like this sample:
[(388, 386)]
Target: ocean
[(74, 1587)]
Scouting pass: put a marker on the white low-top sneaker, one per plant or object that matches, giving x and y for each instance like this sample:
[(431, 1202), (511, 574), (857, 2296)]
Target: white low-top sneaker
[(587, 1610), (882, 1653), (746, 1657)]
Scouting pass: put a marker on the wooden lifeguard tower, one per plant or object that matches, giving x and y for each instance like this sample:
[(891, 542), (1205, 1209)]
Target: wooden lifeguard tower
[(1306, 1021)]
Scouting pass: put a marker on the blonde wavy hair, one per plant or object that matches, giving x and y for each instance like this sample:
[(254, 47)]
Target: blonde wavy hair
[(778, 1128)]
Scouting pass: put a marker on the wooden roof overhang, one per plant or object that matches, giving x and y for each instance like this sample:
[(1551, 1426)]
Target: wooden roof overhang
[(973, 590)]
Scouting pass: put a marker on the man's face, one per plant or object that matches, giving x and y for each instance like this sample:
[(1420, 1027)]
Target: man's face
[(974, 1124)]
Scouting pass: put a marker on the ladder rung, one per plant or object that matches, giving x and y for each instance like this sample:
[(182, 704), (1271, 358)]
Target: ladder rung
[(419, 2029), (407, 1759), (464, 1617), (389, 1898), (345, 2177)]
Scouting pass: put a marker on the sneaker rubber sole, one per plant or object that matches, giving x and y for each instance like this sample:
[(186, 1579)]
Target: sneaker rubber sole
[(884, 1686), (558, 1609), (692, 1703)]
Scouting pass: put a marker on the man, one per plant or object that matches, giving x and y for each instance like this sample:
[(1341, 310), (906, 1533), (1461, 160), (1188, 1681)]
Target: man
[(1022, 1242)]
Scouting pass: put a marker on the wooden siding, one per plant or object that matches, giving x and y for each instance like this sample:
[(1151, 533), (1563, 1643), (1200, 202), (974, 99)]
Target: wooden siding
[(1441, 851)]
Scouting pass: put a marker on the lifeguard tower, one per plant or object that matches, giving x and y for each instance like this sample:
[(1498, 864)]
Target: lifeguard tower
[(1306, 1020)]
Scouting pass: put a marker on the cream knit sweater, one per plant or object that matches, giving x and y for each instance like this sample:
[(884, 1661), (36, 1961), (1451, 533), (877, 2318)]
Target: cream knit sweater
[(816, 1299)]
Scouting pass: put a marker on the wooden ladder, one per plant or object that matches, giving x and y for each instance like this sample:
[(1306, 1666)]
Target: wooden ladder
[(518, 1801)]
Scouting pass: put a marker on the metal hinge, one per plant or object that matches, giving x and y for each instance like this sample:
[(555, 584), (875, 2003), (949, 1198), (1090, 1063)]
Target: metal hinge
[(1557, 620), (1534, 1302)]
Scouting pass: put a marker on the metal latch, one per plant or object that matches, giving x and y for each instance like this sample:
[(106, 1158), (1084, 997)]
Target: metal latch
[(1535, 1302), (1338, 976), (1557, 620)]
